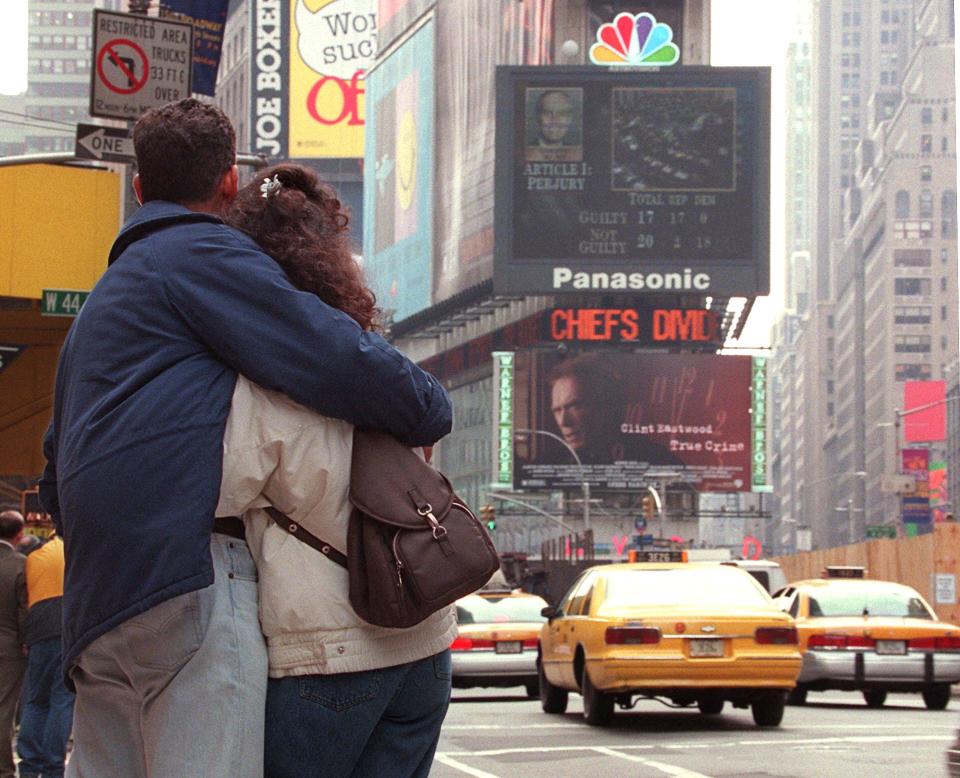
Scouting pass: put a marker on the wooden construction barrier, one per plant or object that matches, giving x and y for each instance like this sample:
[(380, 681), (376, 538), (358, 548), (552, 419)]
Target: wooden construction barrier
[(928, 563)]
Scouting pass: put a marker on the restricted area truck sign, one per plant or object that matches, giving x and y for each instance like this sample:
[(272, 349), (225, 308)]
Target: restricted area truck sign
[(139, 63)]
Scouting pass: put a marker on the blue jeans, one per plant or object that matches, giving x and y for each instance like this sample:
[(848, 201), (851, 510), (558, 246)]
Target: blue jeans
[(179, 690), (382, 723), (47, 713)]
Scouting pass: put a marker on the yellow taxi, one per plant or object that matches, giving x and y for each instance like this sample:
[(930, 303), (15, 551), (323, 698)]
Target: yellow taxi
[(496, 643), (870, 636), (694, 633)]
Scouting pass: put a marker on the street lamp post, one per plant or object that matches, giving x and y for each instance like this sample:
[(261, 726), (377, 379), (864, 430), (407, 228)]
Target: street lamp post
[(584, 485)]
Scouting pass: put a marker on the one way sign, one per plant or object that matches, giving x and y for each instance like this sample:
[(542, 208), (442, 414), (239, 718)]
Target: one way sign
[(110, 144)]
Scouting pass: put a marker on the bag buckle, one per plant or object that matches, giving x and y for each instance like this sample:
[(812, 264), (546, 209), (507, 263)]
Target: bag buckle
[(427, 512)]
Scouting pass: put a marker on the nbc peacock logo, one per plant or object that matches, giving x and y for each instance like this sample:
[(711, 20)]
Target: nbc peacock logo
[(637, 40)]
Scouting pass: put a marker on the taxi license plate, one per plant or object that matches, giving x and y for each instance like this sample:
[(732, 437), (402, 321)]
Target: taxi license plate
[(891, 646), (708, 648), (508, 647)]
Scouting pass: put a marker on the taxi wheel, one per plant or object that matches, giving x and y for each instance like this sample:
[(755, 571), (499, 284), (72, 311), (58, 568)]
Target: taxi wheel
[(552, 698), (597, 705), (768, 711), (937, 696), (875, 697), (710, 706)]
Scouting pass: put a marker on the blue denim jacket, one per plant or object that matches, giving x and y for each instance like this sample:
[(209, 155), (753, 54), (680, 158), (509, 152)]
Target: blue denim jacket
[(143, 389)]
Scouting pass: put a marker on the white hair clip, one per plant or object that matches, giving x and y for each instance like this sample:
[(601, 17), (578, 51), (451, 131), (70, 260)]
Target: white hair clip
[(270, 186)]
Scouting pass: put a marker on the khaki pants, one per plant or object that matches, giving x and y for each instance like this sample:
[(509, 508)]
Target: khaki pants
[(180, 690)]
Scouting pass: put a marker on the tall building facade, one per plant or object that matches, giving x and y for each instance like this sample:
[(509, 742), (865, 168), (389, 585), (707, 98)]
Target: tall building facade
[(882, 305), (58, 78)]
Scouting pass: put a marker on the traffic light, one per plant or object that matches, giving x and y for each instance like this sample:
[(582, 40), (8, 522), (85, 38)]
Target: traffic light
[(489, 517), (649, 506)]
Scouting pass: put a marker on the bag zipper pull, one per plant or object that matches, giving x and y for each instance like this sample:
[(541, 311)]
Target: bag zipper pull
[(399, 573)]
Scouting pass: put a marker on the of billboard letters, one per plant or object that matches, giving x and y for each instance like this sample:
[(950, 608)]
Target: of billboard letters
[(632, 182), (622, 421), (207, 17), (333, 43), (397, 177)]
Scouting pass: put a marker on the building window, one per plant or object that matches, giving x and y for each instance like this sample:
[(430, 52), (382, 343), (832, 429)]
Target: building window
[(926, 173), (911, 257), (913, 372), (911, 287), (948, 214), (911, 314), (943, 283), (945, 115), (911, 344), (925, 204), (943, 313), (926, 144), (902, 204)]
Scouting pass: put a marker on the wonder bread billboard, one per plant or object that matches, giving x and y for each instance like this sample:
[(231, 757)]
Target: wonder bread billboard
[(622, 421), (639, 182)]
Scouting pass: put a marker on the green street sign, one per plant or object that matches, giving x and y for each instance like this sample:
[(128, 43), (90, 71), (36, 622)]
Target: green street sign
[(881, 531), (62, 302)]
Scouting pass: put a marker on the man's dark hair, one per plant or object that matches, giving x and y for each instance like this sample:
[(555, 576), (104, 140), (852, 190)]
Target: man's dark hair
[(596, 376), (11, 523), (183, 149)]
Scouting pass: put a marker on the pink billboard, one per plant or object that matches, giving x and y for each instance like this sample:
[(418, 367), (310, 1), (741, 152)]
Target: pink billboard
[(924, 411)]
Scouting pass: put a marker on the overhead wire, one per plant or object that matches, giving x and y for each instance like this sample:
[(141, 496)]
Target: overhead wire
[(37, 118)]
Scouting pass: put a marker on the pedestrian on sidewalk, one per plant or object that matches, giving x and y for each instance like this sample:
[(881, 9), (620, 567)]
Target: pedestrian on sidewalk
[(47, 705), (13, 610), (161, 636)]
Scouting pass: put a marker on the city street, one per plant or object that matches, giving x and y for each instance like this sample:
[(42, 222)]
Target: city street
[(490, 732)]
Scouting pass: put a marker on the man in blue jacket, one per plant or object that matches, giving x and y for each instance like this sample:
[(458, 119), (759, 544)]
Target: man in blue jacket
[(160, 636)]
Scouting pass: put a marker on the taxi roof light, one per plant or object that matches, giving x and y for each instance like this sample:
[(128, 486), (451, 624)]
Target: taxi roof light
[(629, 636), (657, 556), (844, 571)]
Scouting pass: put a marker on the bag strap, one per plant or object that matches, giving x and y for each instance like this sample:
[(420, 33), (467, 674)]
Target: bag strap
[(307, 537)]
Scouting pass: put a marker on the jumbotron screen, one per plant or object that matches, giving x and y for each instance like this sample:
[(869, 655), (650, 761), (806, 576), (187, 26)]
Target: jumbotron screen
[(633, 181)]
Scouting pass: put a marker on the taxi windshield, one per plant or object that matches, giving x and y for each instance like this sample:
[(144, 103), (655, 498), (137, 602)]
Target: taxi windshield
[(716, 587), (499, 610), (854, 600)]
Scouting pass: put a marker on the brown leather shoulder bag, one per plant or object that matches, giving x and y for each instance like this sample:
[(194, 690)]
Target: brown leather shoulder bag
[(413, 546)]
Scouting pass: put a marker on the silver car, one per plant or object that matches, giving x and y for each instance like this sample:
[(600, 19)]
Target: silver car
[(497, 640)]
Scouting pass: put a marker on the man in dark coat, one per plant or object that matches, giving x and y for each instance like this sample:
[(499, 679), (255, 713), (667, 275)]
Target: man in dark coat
[(161, 636), (13, 610)]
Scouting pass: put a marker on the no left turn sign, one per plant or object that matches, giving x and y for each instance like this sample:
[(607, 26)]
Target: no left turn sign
[(123, 66), (139, 63)]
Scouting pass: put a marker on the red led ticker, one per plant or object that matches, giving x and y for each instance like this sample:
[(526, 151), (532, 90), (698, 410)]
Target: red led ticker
[(626, 324)]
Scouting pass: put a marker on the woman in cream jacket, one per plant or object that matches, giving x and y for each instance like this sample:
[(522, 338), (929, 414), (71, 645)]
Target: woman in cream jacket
[(344, 697)]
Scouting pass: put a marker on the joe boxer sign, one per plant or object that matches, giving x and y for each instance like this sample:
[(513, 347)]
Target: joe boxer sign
[(139, 63)]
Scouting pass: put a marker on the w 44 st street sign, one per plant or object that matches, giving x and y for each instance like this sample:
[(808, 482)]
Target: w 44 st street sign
[(108, 144)]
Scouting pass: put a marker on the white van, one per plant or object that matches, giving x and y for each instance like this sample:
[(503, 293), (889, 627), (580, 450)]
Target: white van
[(768, 573)]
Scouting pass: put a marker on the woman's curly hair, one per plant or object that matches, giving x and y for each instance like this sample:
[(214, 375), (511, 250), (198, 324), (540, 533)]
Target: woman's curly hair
[(301, 224)]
